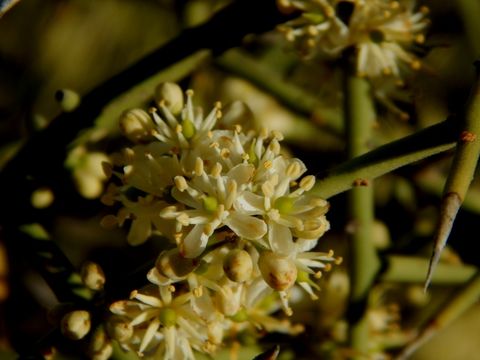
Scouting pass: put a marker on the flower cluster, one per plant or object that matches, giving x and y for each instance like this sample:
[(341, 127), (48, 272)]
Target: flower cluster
[(238, 215), (380, 31)]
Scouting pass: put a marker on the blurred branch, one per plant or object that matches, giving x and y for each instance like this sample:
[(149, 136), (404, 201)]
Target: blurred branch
[(427, 142), (433, 181), (34, 244), (45, 151), (410, 269), (297, 99), (456, 306)]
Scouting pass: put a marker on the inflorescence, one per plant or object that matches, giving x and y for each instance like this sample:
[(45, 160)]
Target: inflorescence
[(240, 223)]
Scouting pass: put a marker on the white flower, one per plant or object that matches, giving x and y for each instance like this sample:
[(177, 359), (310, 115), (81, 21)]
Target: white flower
[(288, 213), (163, 325), (208, 200)]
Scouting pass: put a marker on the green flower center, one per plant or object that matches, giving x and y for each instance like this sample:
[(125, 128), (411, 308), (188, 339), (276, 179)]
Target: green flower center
[(240, 316), (168, 317), (188, 129), (210, 203), (284, 204)]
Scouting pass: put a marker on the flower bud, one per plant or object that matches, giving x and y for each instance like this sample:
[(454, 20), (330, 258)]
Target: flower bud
[(238, 265), (104, 353), (173, 265), (76, 324), (92, 276), (136, 125), (68, 99), (278, 271), (171, 95), (119, 329), (98, 340)]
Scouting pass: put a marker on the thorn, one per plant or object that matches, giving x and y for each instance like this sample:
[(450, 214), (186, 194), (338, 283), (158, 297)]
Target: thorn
[(449, 208)]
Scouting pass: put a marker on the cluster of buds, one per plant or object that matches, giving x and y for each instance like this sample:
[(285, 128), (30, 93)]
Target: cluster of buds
[(238, 215), (380, 31)]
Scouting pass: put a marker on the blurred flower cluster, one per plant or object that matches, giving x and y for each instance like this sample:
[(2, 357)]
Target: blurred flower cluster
[(381, 32)]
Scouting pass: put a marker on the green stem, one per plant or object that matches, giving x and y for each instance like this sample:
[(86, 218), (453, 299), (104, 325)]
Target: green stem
[(461, 174), (463, 300), (427, 142), (297, 99), (360, 116), (408, 269)]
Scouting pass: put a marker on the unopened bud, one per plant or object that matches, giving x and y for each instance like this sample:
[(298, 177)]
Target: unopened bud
[(92, 276), (104, 353), (136, 125), (171, 95), (76, 324), (98, 340), (278, 271), (238, 265), (68, 99), (173, 265), (119, 329)]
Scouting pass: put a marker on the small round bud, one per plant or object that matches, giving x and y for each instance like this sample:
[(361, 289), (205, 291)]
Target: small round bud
[(92, 276), (104, 353), (119, 329), (278, 271), (238, 265), (136, 125), (173, 265), (42, 198), (171, 95), (98, 340), (68, 99), (76, 324)]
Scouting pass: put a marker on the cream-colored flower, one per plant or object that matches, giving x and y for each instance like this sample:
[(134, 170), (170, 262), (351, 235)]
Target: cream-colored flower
[(208, 201), (382, 32), (287, 211), (163, 324)]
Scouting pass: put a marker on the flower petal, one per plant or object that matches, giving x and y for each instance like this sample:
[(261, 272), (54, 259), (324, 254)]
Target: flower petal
[(280, 238), (195, 242), (246, 226)]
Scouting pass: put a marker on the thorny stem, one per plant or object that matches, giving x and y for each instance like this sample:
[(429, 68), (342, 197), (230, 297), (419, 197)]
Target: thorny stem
[(359, 119), (37, 162), (461, 174), (408, 269), (465, 298), (384, 159)]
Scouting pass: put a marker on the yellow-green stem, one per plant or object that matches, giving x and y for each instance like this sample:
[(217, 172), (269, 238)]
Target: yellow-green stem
[(464, 299), (359, 119), (461, 173)]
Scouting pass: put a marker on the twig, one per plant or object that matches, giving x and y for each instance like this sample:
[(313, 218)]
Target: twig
[(427, 142), (460, 176)]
